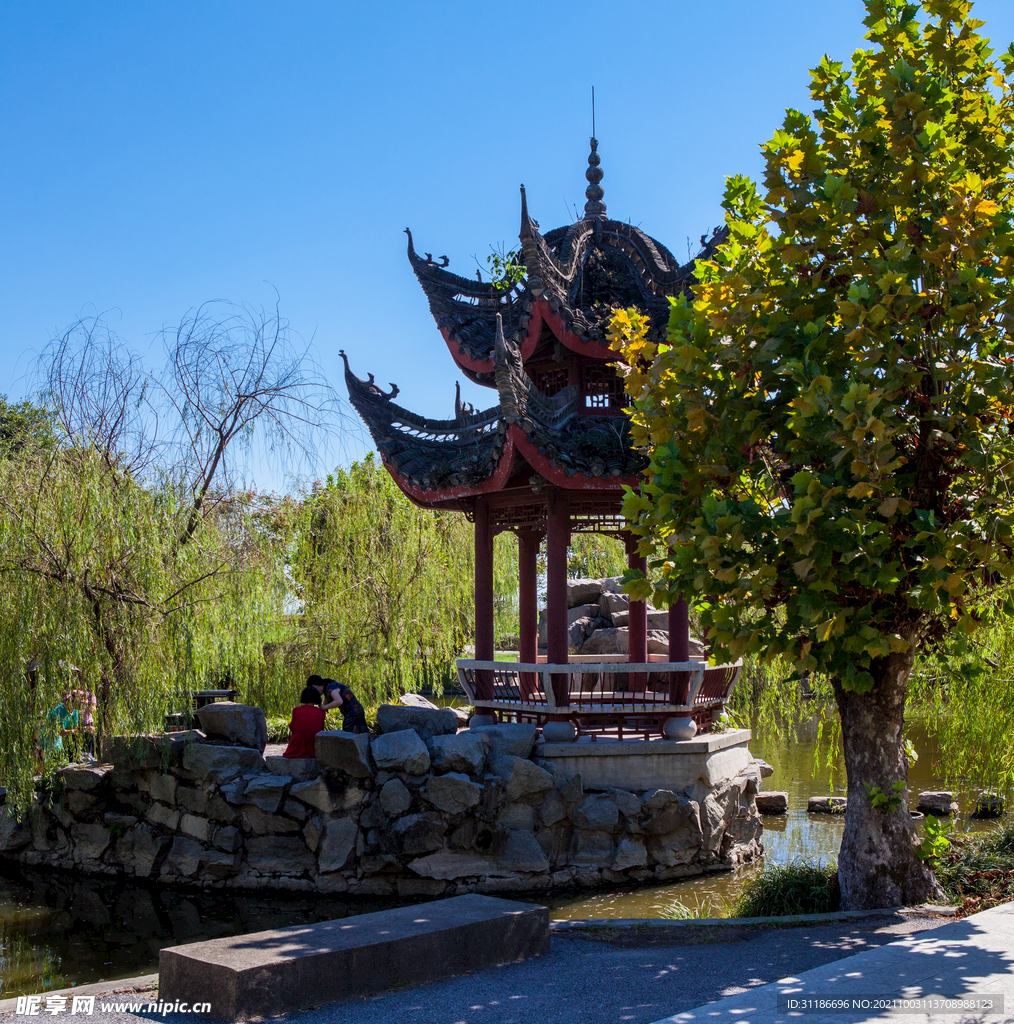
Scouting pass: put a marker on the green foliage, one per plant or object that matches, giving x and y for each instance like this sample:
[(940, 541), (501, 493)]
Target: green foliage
[(829, 420), (595, 556), (978, 872), (881, 801), (278, 728), (99, 594), (385, 589), (968, 699), (935, 839), (506, 268), (798, 888), (24, 427), (702, 907)]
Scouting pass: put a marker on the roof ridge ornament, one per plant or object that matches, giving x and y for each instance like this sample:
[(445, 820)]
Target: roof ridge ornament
[(367, 387), (594, 209), (429, 261), (529, 248)]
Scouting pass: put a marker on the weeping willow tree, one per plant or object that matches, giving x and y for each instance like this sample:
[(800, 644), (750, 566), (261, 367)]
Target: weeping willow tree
[(595, 556), (385, 589), (131, 566)]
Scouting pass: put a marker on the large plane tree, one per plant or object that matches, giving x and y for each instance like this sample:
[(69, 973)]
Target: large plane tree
[(829, 420)]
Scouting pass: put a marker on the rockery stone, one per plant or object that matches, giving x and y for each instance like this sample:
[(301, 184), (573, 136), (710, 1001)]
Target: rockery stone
[(242, 724)]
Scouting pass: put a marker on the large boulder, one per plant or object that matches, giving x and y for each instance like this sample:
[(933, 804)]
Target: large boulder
[(521, 852), (583, 592), (617, 641), (510, 739), (401, 751), (596, 812), (294, 767), (670, 812), (419, 833), (581, 611), (213, 763), (346, 751), (417, 700), (827, 805), (602, 641), (631, 853), (448, 865), (610, 603), (773, 802), (988, 805), (134, 752), (12, 835), (523, 778), (314, 793), (267, 792), (138, 849), (285, 855), (426, 722), (90, 841), (184, 858), (452, 793), (937, 803), (241, 724), (578, 631), (395, 798), (89, 778), (464, 752), (337, 843)]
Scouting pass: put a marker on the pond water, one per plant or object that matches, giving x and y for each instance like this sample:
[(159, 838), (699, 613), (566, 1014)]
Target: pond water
[(57, 931), (793, 836)]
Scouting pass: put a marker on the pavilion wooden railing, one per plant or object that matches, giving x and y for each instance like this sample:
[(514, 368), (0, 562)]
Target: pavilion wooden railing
[(600, 696)]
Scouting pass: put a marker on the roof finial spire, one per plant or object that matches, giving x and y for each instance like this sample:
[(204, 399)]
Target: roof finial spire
[(594, 209)]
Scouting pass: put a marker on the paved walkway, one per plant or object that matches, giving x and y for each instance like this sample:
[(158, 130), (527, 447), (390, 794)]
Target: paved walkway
[(968, 962), (716, 982), (591, 982)]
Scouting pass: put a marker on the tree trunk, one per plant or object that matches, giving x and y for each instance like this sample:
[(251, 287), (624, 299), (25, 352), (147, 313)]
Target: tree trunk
[(877, 865)]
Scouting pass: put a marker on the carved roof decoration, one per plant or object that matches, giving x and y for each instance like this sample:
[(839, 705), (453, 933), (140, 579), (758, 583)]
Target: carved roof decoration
[(429, 454), (581, 273), (559, 421), (465, 452)]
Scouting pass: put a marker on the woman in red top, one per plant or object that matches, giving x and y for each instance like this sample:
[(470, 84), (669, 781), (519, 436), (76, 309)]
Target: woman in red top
[(307, 721)]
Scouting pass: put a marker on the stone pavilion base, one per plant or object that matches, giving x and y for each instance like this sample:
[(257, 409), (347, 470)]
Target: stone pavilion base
[(652, 764)]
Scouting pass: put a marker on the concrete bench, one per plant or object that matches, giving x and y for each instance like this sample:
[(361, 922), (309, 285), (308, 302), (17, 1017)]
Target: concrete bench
[(265, 973)]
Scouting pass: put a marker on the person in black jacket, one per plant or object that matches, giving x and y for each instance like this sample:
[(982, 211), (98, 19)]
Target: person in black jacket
[(338, 695)]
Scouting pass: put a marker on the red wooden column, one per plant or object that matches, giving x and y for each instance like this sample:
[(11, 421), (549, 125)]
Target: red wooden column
[(484, 640), (679, 649), (528, 607), (557, 539), (638, 622)]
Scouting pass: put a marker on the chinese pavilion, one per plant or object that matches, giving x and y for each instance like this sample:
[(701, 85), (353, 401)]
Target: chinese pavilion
[(553, 454)]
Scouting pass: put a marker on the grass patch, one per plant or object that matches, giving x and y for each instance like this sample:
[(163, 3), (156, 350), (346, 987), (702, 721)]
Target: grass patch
[(702, 907), (978, 872), (799, 888), (278, 730)]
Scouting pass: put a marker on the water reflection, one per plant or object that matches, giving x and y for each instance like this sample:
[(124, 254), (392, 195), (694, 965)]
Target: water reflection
[(57, 930), (793, 836)]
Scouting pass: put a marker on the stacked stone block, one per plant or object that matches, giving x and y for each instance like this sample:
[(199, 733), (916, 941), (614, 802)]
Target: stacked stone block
[(420, 810)]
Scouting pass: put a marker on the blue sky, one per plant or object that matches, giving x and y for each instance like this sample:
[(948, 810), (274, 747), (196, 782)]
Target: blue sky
[(160, 154)]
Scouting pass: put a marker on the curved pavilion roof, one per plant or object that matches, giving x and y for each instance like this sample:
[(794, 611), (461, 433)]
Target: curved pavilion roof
[(575, 277)]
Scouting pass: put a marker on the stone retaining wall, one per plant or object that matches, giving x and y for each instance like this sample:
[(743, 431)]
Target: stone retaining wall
[(421, 810)]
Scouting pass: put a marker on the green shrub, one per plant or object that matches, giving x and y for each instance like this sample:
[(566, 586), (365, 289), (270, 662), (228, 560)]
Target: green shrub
[(978, 872), (798, 888), (278, 730)]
